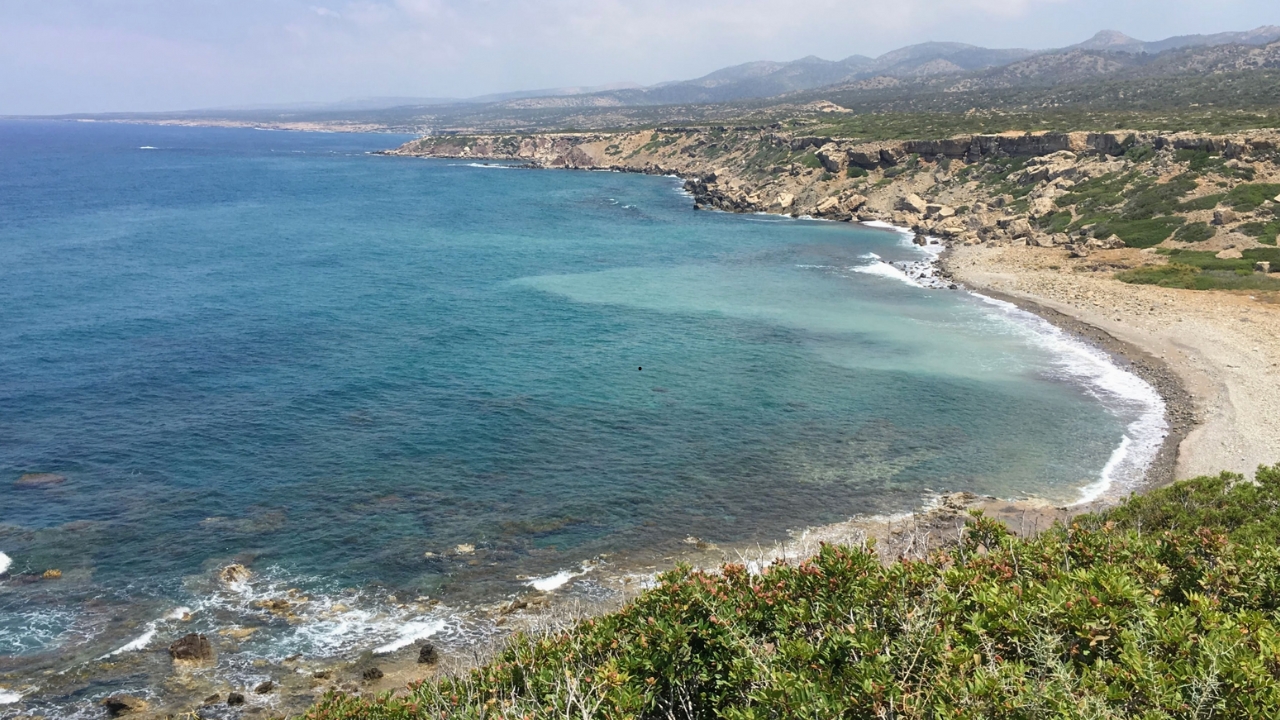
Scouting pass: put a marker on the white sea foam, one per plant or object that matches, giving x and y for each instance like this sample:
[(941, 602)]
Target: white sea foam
[(553, 582), (9, 697), (884, 269), (139, 643), (178, 613), (410, 633), (6, 562), (1119, 390), (886, 226), (147, 147), (1107, 478), (144, 640)]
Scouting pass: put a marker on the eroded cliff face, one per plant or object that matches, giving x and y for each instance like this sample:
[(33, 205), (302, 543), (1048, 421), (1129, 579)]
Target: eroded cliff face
[(1012, 188)]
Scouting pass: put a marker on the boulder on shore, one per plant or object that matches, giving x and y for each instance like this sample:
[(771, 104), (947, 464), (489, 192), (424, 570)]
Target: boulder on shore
[(193, 648), (428, 655), (913, 203), (119, 705)]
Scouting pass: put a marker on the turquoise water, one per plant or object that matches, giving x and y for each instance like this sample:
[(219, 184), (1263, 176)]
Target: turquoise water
[(280, 350)]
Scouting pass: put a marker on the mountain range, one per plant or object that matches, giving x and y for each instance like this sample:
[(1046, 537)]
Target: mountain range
[(1107, 51)]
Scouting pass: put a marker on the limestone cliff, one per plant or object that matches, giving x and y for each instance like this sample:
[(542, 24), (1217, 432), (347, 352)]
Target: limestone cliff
[(1012, 188)]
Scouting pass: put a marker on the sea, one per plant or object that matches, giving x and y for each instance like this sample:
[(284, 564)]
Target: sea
[(398, 390)]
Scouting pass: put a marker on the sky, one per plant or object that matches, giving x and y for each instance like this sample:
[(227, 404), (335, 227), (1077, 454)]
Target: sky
[(81, 56)]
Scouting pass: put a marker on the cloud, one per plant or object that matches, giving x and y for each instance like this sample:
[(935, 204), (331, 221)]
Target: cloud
[(325, 12)]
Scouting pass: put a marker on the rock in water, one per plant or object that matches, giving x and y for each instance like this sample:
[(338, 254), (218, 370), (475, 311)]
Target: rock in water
[(193, 649), (234, 574), (428, 655), (118, 705), (264, 687), (40, 480), (235, 698), (372, 673)]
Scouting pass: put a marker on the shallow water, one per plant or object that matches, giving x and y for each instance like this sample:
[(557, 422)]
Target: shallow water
[(280, 350)]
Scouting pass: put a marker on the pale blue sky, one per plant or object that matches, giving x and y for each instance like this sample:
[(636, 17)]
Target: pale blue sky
[(59, 56)]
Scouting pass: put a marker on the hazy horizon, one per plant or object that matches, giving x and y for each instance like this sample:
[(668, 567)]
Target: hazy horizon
[(89, 56)]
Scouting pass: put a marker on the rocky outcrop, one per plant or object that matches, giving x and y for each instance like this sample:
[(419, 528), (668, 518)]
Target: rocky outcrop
[(234, 574), (993, 189), (122, 705), (192, 649), (428, 655)]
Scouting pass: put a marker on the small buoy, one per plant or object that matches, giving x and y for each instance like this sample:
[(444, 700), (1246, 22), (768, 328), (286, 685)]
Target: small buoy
[(640, 368)]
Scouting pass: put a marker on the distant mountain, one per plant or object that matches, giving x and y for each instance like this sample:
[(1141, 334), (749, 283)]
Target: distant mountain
[(1119, 42), (926, 64), (768, 79)]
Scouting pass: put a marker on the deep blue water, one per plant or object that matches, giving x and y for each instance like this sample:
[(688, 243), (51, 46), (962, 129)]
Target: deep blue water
[(278, 349)]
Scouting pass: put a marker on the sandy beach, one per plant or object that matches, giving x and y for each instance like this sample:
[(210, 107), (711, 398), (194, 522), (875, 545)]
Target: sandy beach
[(1223, 346)]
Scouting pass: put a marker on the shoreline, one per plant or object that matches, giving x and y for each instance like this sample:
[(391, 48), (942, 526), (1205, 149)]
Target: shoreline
[(910, 534), (900, 535), (1221, 348)]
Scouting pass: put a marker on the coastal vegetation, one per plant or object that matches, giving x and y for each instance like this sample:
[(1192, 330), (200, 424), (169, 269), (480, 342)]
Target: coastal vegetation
[(1196, 270), (1167, 606)]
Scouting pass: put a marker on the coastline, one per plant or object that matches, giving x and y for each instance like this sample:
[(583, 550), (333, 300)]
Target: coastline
[(906, 535), (1220, 347), (901, 535)]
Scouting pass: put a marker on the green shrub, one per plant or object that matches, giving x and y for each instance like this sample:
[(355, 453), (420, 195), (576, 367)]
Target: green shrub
[(1197, 160), (1165, 607), (1265, 232), (1197, 270), (1140, 233), (1271, 255), (1249, 196), (855, 172), (1173, 275), (826, 177), (1055, 222), (1140, 153), (1100, 192), (809, 160), (1194, 232), (1208, 202), (1150, 200)]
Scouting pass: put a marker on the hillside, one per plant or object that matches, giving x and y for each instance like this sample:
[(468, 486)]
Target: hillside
[(1177, 80)]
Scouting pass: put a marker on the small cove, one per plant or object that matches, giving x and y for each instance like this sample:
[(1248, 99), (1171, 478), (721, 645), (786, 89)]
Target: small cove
[(338, 369)]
